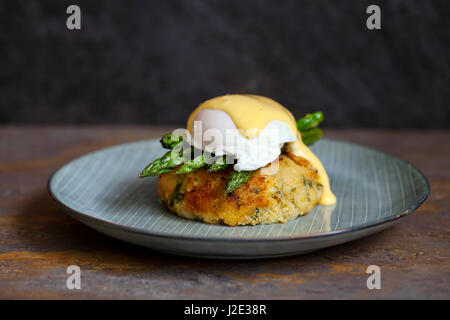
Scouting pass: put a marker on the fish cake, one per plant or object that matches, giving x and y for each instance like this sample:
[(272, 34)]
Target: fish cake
[(292, 191)]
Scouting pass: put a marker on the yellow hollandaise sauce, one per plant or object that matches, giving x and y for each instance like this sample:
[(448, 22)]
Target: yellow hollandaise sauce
[(250, 112)]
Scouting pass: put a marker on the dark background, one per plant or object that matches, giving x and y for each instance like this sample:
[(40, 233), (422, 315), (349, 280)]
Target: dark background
[(152, 62)]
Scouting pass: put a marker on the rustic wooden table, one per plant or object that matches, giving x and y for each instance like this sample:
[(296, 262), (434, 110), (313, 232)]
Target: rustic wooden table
[(38, 241)]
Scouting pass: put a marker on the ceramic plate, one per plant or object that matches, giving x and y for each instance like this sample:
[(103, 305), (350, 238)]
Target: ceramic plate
[(102, 190)]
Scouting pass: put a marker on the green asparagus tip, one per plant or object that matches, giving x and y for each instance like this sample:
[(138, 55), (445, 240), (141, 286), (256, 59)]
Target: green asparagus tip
[(237, 179)]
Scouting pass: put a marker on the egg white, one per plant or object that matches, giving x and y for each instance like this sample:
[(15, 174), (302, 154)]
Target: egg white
[(214, 131)]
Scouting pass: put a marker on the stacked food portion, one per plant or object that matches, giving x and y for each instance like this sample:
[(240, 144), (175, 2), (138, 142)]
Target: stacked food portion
[(243, 160)]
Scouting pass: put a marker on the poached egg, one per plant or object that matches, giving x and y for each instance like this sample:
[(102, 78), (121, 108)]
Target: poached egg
[(222, 137)]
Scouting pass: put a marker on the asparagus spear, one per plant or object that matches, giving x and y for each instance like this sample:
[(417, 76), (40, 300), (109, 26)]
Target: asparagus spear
[(161, 165), (311, 136), (168, 161), (308, 127), (169, 141), (310, 121), (220, 164), (192, 165), (237, 179)]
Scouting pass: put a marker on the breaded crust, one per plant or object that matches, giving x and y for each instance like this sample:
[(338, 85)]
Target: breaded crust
[(291, 192)]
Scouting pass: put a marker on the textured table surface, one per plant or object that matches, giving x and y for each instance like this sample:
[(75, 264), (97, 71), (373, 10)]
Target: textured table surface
[(38, 241)]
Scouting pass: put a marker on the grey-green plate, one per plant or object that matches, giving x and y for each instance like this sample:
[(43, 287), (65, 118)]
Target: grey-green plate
[(102, 190)]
